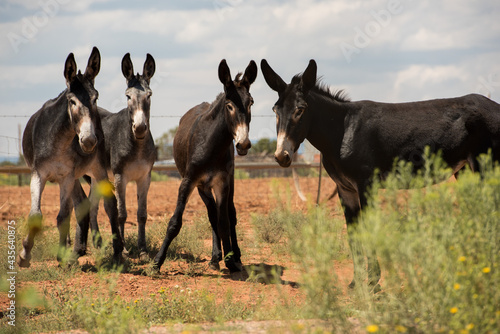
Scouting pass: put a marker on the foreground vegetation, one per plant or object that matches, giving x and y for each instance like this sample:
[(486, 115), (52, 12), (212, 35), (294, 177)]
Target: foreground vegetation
[(438, 248)]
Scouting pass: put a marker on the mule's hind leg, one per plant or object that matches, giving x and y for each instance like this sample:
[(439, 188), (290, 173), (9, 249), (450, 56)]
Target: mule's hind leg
[(64, 216), (232, 223), (208, 199), (142, 214), (34, 219), (175, 223), (81, 204)]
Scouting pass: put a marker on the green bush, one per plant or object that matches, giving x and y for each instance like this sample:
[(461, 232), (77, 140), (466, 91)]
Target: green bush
[(315, 245), (439, 251)]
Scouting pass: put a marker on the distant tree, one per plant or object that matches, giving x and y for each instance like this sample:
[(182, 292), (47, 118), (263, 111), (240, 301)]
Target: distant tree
[(164, 144), (264, 146)]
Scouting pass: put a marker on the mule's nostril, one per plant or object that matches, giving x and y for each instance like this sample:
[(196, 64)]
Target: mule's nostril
[(243, 146), (88, 143), (283, 158), (140, 130)]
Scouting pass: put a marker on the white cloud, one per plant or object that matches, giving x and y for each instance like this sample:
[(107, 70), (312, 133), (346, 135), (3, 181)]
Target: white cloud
[(427, 49)]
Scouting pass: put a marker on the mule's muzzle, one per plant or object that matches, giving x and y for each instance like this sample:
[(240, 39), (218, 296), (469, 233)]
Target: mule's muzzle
[(243, 147), (140, 130), (283, 158), (88, 143)]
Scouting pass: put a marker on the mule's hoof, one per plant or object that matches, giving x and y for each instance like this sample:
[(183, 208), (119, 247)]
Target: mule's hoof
[(80, 251), (125, 252), (239, 265), (144, 257), (233, 266), (214, 266), (156, 267), (23, 263), (352, 284)]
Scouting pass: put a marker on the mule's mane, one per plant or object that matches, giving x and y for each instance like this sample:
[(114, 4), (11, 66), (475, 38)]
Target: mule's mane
[(324, 90)]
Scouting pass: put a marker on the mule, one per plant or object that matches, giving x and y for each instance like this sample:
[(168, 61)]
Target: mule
[(357, 138), (204, 156), (61, 142), (130, 149)]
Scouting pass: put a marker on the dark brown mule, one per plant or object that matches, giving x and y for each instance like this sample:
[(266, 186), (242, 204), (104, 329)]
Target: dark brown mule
[(63, 141), (204, 156), (357, 138), (130, 148)]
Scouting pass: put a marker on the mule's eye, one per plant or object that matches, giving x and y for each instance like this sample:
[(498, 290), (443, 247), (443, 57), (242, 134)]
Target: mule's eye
[(230, 107), (298, 113), (128, 97), (72, 102)]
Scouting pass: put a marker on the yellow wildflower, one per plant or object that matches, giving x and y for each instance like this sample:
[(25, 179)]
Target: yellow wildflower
[(453, 310), (372, 328), (486, 270), (456, 286), (462, 258), (401, 329)]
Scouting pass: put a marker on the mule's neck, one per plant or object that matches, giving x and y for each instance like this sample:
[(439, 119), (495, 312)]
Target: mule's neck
[(219, 133), (326, 128)]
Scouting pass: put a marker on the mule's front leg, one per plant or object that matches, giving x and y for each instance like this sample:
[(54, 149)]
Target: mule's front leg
[(81, 205), (94, 198), (352, 207), (208, 199), (175, 223), (142, 214), (121, 193), (224, 228), (110, 206), (34, 219), (234, 238)]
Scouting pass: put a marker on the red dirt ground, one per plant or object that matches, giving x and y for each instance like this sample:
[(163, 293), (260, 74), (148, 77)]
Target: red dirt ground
[(251, 196)]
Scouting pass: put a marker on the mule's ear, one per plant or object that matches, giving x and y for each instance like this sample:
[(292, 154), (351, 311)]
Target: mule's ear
[(127, 67), (224, 73), (70, 69), (273, 80), (250, 73), (94, 65), (309, 76), (149, 67)]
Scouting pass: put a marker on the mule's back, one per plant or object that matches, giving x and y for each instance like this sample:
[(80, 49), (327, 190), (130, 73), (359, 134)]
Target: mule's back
[(40, 133), (185, 138)]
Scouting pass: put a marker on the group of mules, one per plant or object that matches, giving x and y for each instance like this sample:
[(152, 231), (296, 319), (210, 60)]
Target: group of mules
[(70, 137)]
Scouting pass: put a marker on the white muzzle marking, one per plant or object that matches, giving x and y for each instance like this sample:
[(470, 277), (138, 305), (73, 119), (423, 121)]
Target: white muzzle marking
[(86, 129), (241, 133)]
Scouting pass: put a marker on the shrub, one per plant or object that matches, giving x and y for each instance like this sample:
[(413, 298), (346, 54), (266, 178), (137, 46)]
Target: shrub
[(439, 251)]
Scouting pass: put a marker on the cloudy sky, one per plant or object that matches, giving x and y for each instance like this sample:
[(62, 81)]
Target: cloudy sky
[(383, 50)]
